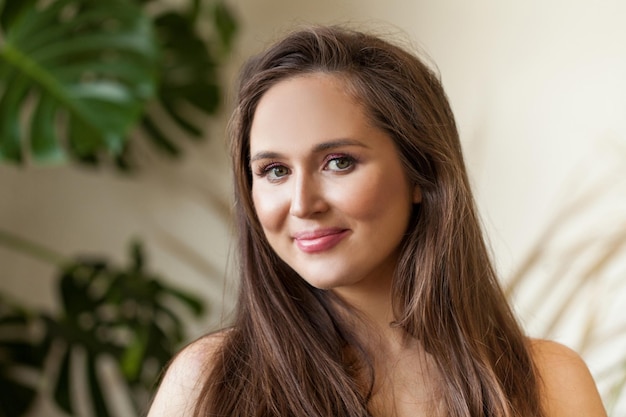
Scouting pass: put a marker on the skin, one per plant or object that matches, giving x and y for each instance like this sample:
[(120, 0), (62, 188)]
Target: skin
[(333, 200), (329, 189)]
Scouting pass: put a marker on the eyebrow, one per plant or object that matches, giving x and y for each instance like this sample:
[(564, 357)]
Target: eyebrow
[(321, 147)]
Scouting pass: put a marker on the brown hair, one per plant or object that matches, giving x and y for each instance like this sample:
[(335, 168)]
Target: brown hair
[(288, 351)]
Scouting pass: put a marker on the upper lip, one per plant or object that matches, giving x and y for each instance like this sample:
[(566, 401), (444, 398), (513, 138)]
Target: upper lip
[(317, 233)]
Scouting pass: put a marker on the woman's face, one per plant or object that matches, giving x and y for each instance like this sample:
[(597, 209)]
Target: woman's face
[(329, 189)]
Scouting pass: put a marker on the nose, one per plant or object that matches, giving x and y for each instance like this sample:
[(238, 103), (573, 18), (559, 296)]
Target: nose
[(307, 197)]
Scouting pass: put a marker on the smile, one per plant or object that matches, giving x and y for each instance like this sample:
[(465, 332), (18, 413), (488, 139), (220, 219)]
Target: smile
[(319, 240)]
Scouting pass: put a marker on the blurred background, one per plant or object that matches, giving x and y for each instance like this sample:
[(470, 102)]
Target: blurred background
[(539, 92)]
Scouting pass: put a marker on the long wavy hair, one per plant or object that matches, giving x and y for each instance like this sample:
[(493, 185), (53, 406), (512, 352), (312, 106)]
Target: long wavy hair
[(289, 352)]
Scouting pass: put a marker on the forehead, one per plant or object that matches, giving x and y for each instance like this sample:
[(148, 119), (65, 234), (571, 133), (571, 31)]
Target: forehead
[(307, 108)]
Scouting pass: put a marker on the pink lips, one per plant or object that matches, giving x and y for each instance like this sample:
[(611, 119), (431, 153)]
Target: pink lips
[(319, 240)]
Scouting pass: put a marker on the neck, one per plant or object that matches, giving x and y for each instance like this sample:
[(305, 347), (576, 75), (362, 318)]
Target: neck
[(371, 301)]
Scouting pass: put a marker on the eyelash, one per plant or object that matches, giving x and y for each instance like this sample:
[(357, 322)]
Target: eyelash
[(265, 169), (334, 157)]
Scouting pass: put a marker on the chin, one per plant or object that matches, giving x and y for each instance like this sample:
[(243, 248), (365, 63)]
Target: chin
[(317, 279), (322, 284), (327, 283)]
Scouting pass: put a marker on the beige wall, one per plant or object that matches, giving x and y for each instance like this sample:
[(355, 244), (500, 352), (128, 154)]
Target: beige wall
[(539, 90)]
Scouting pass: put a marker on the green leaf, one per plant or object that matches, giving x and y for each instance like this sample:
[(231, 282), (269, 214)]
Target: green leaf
[(226, 24), (10, 130), (188, 80), (137, 255), (17, 350), (160, 345), (44, 145), (122, 314), (62, 389), (10, 9), (15, 398), (73, 285), (171, 320), (22, 353), (158, 138), (176, 114), (88, 67), (191, 302), (133, 357), (97, 393)]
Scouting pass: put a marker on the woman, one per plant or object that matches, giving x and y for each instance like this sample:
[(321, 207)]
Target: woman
[(366, 287)]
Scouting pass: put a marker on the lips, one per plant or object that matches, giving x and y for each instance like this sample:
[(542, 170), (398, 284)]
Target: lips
[(319, 240)]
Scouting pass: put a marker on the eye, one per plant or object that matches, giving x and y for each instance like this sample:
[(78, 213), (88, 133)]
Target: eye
[(277, 171), (273, 171), (340, 163)]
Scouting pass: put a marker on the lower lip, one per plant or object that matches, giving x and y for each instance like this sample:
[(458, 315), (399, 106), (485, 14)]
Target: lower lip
[(322, 243)]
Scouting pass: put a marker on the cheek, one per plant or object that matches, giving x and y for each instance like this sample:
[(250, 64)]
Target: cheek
[(377, 196), (269, 208)]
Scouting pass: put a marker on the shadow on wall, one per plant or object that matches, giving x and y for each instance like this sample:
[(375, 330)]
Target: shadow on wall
[(573, 280)]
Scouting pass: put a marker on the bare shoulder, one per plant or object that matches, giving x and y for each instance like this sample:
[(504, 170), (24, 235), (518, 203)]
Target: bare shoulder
[(568, 387), (184, 378)]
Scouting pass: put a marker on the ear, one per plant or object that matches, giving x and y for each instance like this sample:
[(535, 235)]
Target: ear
[(417, 194)]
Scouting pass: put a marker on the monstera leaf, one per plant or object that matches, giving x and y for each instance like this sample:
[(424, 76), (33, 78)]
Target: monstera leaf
[(20, 353), (189, 79), (189, 85), (79, 78), (74, 77), (124, 315)]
